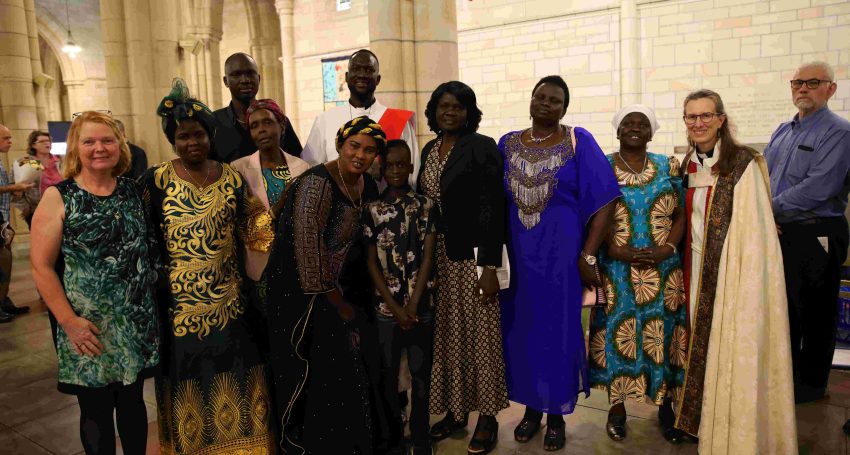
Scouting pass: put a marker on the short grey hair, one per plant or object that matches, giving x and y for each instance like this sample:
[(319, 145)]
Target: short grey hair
[(830, 73)]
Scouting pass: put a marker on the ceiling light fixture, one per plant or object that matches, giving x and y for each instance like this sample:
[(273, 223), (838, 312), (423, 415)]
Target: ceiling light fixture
[(70, 47)]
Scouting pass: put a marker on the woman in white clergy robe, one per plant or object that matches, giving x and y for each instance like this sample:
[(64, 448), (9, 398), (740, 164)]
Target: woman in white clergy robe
[(738, 395)]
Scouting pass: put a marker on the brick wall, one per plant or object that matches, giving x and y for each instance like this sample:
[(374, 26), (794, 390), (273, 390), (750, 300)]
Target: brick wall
[(746, 50)]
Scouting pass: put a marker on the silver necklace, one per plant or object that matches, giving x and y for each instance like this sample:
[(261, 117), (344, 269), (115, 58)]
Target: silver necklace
[(345, 188), (645, 158), (540, 140), (201, 186)]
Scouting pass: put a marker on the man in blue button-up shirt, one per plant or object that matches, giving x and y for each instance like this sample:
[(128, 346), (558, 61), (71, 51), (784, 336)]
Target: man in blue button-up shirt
[(809, 159)]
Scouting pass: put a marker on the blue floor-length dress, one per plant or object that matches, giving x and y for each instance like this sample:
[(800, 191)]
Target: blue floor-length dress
[(553, 193)]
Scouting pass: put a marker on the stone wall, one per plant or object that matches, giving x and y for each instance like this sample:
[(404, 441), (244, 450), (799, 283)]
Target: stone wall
[(320, 32), (747, 50), (235, 37)]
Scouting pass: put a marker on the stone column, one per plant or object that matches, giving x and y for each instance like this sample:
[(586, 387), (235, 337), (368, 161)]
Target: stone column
[(141, 52), (630, 78), (386, 41), (264, 29), (18, 109), (39, 78), (435, 53), (287, 59), (267, 54)]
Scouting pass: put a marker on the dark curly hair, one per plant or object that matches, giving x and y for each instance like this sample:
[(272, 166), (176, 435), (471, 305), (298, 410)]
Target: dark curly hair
[(464, 95), (557, 81)]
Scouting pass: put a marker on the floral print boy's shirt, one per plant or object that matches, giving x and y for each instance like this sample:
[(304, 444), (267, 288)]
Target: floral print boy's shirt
[(398, 227)]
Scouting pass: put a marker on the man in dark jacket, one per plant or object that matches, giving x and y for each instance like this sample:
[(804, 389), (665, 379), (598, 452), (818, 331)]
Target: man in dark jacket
[(138, 157), (232, 138)]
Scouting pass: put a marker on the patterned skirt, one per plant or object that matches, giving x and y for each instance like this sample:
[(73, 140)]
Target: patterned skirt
[(469, 367)]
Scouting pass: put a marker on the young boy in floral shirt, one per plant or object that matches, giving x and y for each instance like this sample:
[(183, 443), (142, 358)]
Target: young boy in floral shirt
[(401, 234)]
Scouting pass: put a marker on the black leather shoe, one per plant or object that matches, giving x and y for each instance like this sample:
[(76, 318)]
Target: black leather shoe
[(616, 427), (8, 307), (6, 317)]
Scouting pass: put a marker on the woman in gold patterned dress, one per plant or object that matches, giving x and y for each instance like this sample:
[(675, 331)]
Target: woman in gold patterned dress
[(212, 395), (462, 171)]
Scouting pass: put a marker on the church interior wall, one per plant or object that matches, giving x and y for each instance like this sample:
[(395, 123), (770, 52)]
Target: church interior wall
[(746, 50), (322, 32), (235, 37)]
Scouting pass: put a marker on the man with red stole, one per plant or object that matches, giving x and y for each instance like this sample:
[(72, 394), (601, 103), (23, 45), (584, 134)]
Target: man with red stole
[(362, 78)]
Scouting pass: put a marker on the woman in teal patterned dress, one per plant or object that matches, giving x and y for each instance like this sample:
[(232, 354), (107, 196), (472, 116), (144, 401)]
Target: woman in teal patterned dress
[(635, 352), (213, 394), (92, 265)]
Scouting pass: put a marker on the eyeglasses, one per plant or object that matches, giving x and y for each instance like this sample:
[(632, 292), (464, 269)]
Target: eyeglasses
[(706, 117), (811, 83), (101, 111)]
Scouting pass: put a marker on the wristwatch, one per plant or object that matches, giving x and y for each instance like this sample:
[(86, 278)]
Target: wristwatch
[(591, 260), (490, 267)]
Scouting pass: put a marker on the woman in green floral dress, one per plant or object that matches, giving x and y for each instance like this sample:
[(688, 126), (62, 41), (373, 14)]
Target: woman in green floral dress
[(92, 265)]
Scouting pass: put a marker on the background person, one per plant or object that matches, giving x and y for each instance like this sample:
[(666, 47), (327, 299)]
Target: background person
[(39, 144), (8, 189), (138, 157), (102, 299)]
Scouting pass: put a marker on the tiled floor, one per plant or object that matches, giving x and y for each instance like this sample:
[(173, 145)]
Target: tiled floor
[(36, 419)]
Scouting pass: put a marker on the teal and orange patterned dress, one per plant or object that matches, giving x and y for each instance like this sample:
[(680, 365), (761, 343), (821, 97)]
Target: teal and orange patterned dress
[(638, 341), (108, 275)]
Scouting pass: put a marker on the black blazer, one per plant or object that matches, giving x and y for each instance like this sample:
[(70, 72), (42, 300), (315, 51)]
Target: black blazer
[(472, 199)]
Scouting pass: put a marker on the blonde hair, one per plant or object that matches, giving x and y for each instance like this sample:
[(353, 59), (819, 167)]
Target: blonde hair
[(73, 166)]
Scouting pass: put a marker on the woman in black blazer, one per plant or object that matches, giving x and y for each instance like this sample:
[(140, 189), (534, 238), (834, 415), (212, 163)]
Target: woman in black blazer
[(462, 170)]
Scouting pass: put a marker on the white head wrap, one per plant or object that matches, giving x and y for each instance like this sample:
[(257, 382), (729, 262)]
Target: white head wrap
[(626, 110)]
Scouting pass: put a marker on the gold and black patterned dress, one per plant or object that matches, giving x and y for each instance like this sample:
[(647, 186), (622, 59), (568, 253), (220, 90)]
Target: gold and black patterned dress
[(468, 373), (213, 395)]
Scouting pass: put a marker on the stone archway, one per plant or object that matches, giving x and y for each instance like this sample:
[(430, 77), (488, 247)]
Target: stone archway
[(84, 90)]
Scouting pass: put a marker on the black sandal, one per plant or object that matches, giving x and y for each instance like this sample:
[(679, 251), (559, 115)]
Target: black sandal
[(555, 438), (447, 427), (479, 445), (526, 429)]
